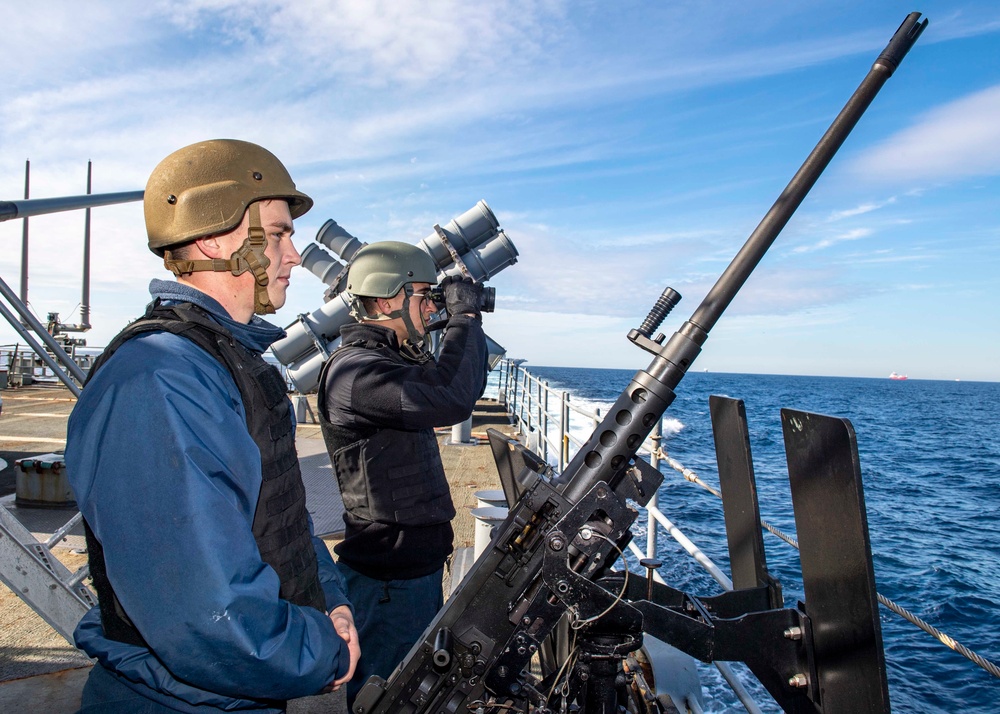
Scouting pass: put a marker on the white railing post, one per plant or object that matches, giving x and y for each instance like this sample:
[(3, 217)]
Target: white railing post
[(654, 460), (528, 398), (538, 399), (544, 426), (518, 387), (514, 397), (461, 433), (502, 388), (563, 431)]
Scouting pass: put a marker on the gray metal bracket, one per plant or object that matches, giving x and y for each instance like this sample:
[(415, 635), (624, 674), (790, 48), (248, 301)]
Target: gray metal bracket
[(837, 572), (517, 467), (739, 497), (318, 341), (451, 250), (29, 569)]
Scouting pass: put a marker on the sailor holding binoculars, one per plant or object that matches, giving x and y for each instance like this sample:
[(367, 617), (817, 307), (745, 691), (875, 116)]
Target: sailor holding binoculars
[(381, 395)]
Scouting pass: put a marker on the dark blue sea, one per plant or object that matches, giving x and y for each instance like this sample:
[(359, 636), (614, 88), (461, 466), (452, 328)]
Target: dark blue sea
[(930, 459)]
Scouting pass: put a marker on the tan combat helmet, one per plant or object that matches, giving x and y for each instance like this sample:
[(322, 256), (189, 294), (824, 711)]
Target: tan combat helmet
[(204, 189)]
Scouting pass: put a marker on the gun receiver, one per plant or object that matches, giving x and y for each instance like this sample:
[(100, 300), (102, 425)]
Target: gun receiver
[(549, 561)]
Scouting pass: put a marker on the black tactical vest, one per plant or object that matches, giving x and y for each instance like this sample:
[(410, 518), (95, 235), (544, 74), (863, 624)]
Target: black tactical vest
[(386, 475), (280, 524)]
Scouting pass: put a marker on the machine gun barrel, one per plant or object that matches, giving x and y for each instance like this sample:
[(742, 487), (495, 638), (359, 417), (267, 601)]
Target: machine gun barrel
[(774, 221), (675, 357), (509, 603), (10, 210)]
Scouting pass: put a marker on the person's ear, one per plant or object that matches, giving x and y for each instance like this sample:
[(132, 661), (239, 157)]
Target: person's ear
[(210, 247)]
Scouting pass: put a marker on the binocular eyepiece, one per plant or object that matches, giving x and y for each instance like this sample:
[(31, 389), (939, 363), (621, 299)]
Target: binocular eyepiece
[(487, 299)]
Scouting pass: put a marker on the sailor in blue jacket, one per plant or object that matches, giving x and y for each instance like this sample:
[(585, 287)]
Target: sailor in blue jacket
[(214, 594)]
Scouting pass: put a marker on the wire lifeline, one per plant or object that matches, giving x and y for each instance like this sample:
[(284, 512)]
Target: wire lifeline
[(941, 637)]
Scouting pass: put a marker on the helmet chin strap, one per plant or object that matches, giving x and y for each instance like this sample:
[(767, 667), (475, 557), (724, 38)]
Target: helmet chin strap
[(250, 256), (414, 346)]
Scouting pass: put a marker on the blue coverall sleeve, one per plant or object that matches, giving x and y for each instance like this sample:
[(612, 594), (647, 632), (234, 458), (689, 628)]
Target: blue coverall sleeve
[(164, 469), (330, 577)]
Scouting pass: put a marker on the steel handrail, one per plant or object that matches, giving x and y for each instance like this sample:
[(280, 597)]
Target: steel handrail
[(894, 607)]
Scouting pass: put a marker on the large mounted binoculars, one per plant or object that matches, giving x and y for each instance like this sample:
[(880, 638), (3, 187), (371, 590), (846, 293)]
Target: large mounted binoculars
[(472, 245)]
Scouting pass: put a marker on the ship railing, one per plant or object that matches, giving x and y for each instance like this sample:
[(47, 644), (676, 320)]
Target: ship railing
[(527, 399), (531, 405), (20, 365), (941, 637)]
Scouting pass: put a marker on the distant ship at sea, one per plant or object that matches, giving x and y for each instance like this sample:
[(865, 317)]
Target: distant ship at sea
[(900, 377)]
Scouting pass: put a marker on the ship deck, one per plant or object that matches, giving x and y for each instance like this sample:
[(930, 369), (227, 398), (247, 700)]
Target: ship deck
[(39, 668)]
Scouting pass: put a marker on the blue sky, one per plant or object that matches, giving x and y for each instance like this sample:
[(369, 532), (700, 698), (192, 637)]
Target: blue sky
[(624, 146)]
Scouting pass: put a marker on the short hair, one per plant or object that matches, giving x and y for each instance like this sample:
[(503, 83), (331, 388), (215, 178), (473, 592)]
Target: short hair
[(370, 304), (182, 251)]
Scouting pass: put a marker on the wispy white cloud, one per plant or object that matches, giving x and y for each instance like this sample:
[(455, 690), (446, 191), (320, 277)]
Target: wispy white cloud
[(789, 291), (893, 258), (853, 234), (379, 43), (558, 274), (684, 241), (365, 82), (957, 140), (46, 42), (860, 210)]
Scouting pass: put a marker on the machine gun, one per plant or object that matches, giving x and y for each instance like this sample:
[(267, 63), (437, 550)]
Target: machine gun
[(550, 559)]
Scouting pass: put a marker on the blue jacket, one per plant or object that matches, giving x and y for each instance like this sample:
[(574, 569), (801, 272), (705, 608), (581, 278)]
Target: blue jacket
[(167, 477)]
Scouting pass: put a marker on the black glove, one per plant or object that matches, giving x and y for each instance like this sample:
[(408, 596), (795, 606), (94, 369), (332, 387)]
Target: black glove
[(462, 296)]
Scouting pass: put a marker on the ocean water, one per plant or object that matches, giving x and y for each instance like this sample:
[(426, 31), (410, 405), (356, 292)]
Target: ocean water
[(930, 460)]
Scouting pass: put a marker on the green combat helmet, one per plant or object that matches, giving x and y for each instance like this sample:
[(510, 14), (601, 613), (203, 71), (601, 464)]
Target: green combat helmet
[(381, 270), (204, 189)]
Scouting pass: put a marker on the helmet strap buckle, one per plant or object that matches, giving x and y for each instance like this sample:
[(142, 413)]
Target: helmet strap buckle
[(414, 352), (186, 267), (250, 257)]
